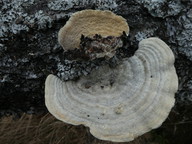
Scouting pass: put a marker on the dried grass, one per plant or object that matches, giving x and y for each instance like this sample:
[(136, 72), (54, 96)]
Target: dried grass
[(35, 129)]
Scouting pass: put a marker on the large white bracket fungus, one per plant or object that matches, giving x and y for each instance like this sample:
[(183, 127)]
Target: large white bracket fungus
[(119, 104)]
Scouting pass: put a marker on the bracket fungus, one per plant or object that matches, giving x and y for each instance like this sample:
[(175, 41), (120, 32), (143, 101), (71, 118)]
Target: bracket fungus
[(118, 104), (93, 34), (89, 23)]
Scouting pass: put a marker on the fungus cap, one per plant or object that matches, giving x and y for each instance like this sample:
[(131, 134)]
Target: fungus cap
[(119, 104), (89, 23)]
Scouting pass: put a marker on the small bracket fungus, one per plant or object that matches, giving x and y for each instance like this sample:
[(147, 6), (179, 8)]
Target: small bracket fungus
[(117, 104), (93, 34), (89, 23)]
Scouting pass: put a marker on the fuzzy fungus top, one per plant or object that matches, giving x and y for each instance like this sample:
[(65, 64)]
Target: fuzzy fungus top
[(89, 23), (121, 103)]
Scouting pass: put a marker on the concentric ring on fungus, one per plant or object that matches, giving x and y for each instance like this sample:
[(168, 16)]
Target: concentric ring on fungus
[(118, 104)]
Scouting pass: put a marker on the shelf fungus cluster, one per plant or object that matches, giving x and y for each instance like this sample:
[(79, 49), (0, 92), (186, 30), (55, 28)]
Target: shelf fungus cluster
[(117, 103)]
